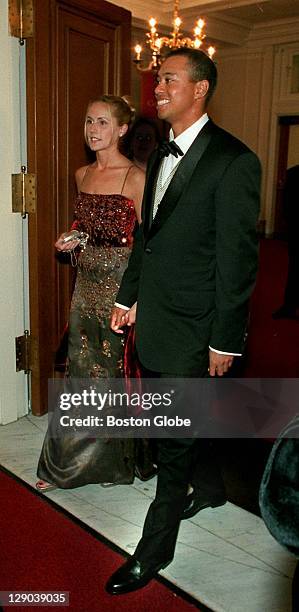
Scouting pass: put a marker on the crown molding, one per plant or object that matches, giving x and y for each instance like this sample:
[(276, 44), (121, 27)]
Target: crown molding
[(275, 32), (162, 10), (206, 6), (142, 10), (192, 13)]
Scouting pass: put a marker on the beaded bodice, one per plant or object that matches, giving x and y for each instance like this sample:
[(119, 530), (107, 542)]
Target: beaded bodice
[(108, 219)]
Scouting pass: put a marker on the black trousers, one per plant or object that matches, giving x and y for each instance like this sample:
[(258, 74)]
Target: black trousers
[(180, 462)]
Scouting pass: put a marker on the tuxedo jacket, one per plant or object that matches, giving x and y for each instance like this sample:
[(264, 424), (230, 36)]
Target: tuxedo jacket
[(192, 268)]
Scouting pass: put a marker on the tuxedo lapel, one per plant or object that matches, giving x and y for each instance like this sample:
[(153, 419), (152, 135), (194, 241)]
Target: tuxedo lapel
[(149, 192), (177, 185)]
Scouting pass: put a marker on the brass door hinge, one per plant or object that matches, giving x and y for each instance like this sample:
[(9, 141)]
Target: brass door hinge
[(20, 14), (23, 188), (25, 352)]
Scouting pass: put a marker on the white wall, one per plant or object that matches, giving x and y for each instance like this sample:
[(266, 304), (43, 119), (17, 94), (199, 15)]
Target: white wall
[(242, 102), (12, 384)]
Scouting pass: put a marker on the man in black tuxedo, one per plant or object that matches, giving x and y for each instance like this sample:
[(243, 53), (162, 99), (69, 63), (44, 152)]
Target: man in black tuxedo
[(191, 271)]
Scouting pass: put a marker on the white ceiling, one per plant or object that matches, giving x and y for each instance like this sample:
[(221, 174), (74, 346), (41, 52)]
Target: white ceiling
[(228, 21), (256, 12)]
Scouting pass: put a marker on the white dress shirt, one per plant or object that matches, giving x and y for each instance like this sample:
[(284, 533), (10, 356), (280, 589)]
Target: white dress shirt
[(184, 141)]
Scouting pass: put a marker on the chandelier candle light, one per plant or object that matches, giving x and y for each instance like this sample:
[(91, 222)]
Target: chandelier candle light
[(156, 42)]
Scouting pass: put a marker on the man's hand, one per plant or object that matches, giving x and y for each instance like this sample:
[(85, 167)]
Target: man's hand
[(131, 315), (219, 364), (118, 319)]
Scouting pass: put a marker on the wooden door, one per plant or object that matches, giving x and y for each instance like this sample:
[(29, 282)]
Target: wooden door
[(279, 224), (80, 49), (280, 227)]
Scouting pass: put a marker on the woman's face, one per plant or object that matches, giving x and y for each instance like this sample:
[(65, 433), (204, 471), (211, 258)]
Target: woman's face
[(101, 127)]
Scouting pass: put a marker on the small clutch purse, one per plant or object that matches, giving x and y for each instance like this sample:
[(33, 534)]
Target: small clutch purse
[(76, 235)]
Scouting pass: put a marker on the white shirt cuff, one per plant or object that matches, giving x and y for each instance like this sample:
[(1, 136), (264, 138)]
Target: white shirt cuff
[(225, 352), (121, 306)]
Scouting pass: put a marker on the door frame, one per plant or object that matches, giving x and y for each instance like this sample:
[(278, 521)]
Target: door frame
[(40, 52), (284, 123)]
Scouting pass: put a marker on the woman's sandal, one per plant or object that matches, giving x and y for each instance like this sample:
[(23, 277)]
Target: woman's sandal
[(106, 485), (44, 486)]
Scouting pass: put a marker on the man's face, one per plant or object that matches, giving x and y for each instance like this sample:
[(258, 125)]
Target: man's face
[(176, 93)]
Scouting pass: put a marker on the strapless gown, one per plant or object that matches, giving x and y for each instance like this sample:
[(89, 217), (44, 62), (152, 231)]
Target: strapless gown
[(94, 351)]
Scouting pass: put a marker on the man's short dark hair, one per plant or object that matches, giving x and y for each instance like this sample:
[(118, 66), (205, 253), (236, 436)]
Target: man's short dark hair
[(201, 66)]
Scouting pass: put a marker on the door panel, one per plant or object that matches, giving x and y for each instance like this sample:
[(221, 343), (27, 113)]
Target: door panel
[(85, 60), (279, 223), (285, 123), (81, 49)]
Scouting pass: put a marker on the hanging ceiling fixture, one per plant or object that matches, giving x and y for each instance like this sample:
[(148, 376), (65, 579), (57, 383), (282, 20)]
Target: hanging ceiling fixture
[(157, 43)]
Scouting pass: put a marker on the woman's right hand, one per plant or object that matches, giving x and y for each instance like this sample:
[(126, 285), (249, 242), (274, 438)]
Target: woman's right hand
[(60, 245)]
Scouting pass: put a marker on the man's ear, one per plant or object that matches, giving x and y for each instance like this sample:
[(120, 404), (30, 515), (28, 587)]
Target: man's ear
[(201, 89)]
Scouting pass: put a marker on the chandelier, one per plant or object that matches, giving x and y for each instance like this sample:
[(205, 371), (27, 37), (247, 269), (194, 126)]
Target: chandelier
[(176, 40)]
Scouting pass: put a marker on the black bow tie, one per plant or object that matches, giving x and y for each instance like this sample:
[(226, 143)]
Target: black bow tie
[(169, 148)]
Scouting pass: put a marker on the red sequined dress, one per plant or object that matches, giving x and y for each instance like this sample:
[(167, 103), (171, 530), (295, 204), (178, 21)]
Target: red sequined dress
[(109, 220), (94, 351)]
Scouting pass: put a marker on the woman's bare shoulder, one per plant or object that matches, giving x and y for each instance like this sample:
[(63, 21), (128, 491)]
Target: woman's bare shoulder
[(79, 173), (136, 175)]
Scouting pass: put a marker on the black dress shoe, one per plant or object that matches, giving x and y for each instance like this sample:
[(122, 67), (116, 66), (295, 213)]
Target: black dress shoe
[(132, 576), (196, 503)]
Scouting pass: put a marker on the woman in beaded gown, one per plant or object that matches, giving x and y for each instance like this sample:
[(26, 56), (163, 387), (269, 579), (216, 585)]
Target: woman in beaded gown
[(108, 203)]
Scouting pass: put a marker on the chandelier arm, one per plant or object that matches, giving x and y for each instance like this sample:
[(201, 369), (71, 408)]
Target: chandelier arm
[(186, 42), (151, 67)]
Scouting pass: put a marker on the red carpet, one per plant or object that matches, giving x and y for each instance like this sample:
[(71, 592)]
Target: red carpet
[(43, 550), (273, 346)]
